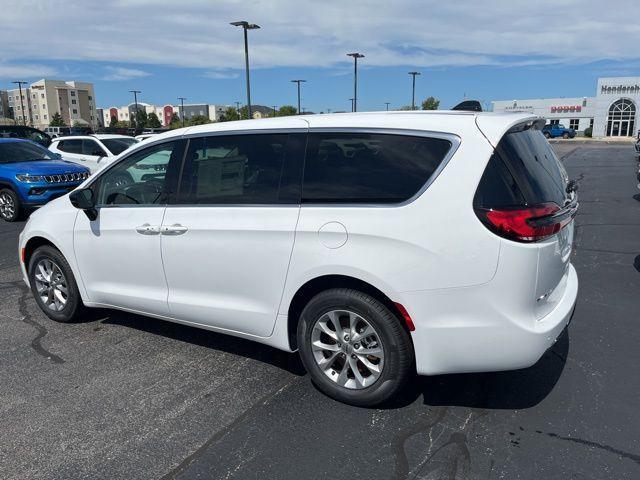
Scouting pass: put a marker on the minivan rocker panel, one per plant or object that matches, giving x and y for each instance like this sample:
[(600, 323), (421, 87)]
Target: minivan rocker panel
[(414, 262)]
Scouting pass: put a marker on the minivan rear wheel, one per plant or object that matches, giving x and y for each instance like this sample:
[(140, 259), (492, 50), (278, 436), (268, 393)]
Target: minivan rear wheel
[(354, 348)]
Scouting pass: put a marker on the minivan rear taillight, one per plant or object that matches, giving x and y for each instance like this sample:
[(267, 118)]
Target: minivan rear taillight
[(527, 224)]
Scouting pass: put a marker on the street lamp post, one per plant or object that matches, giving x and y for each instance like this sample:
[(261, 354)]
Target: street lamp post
[(387, 104), (413, 89), (298, 82), (135, 100), (275, 112), (355, 56), (182, 99), (351, 99), (246, 26), (20, 83), (237, 108)]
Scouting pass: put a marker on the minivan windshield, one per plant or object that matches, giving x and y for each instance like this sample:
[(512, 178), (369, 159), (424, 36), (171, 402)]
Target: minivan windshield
[(12, 152), (118, 145)]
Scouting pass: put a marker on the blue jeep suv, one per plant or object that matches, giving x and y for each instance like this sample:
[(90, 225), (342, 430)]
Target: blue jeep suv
[(558, 130), (31, 175)]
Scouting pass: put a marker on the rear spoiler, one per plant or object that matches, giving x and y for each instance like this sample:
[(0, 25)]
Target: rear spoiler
[(469, 106)]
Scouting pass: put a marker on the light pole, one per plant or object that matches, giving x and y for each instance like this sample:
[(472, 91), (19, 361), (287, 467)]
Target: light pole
[(298, 82), (351, 104), (387, 104), (20, 83), (413, 89), (246, 26), (355, 56), (135, 100), (182, 99), (237, 108), (274, 110)]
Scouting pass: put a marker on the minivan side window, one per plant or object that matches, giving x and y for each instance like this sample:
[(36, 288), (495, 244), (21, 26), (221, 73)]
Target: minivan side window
[(91, 147), (369, 167), (243, 169), (146, 177)]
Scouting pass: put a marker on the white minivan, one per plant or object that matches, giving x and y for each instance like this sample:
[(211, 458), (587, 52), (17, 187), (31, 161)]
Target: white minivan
[(378, 245)]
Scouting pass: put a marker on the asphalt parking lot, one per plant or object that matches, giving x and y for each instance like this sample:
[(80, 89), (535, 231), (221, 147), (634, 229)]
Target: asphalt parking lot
[(125, 397)]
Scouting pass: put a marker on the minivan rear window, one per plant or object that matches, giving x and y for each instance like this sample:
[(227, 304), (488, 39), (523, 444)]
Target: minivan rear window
[(369, 167), (523, 170)]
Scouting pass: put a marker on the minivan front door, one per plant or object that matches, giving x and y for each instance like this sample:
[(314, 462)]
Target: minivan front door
[(226, 245), (119, 253)]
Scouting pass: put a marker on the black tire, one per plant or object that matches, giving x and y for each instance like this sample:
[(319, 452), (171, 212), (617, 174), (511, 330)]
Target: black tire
[(395, 340), (73, 307), (565, 135), (10, 207), (547, 135)]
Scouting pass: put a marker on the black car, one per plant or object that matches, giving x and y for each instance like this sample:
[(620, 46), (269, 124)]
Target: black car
[(28, 133)]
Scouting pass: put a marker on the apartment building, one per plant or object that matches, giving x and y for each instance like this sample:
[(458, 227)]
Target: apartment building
[(74, 101), (164, 112)]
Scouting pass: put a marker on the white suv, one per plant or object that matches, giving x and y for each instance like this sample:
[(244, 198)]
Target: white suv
[(376, 244), (91, 151)]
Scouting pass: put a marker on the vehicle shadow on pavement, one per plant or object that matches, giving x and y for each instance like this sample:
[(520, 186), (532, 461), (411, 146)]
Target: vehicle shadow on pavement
[(516, 389), (205, 338)]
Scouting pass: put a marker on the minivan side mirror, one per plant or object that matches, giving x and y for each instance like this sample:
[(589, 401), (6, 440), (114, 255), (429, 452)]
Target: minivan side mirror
[(84, 200)]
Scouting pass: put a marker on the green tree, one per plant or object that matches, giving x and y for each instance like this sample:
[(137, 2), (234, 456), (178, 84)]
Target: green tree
[(199, 120), (287, 110), (57, 121), (175, 121), (229, 115), (114, 121), (431, 103), (405, 108), (244, 113), (153, 121), (141, 119)]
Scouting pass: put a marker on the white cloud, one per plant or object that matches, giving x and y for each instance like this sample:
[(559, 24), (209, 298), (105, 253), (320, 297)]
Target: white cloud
[(12, 71), (221, 75), (120, 73), (419, 33)]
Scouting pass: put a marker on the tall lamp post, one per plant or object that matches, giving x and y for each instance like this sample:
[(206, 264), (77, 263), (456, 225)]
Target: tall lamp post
[(355, 56), (387, 104), (275, 111), (182, 99), (351, 99), (20, 83), (413, 89), (298, 82), (135, 100), (246, 26)]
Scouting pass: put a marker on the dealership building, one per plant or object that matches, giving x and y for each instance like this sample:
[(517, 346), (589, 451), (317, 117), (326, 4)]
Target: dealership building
[(613, 112)]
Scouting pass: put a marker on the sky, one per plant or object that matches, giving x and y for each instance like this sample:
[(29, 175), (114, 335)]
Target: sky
[(488, 50)]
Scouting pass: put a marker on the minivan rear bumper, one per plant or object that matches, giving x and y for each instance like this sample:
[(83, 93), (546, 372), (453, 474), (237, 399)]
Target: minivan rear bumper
[(467, 330)]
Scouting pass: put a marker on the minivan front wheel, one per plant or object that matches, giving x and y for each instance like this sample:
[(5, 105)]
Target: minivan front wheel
[(354, 348), (53, 285)]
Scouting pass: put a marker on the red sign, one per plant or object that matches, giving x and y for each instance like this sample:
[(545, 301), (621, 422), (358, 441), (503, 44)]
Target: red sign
[(566, 109)]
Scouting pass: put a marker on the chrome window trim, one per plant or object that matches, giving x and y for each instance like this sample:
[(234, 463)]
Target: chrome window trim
[(453, 138)]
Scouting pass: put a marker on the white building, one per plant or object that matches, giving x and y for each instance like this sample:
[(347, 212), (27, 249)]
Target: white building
[(164, 113), (74, 101), (613, 112)]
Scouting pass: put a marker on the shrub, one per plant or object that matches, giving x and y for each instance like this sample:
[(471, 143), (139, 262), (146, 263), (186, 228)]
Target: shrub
[(588, 132)]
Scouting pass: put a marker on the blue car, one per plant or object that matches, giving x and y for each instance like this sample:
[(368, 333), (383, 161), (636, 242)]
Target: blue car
[(558, 130), (31, 175)]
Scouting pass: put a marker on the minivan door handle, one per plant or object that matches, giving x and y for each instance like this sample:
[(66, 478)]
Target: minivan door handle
[(146, 229), (175, 229)]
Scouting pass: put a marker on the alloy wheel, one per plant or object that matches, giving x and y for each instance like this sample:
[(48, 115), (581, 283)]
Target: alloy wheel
[(51, 284), (347, 349), (7, 206)]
